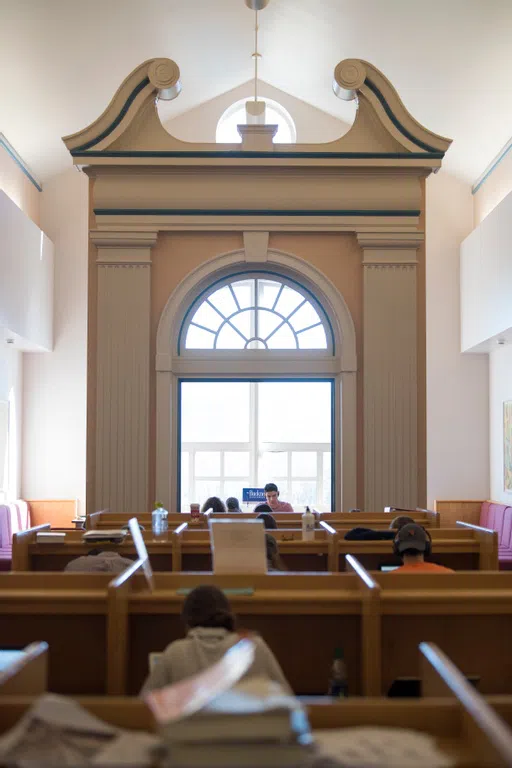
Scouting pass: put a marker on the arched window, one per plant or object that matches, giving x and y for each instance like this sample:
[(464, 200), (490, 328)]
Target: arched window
[(256, 312), (227, 131)]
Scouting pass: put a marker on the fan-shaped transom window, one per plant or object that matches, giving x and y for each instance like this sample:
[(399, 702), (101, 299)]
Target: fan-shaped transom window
[(257, 313)]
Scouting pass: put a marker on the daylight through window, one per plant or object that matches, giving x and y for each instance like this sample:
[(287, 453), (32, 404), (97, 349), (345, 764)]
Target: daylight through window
[(256, 313)]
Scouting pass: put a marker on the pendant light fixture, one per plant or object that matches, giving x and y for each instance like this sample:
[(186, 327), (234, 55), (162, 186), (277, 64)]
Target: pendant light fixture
[(254, 109)]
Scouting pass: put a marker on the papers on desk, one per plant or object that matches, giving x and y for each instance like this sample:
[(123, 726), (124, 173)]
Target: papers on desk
[(375, 747), (58, 731), (50, 537), (238, 546)]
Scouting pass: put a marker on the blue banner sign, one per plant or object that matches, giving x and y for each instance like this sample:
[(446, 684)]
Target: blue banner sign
[(255, 495)]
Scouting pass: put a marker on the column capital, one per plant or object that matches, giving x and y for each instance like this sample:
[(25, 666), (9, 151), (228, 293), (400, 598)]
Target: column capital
[(390, 248), (131, 248)]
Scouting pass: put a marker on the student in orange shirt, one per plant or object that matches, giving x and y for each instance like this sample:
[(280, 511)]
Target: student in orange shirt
[(413, 543)]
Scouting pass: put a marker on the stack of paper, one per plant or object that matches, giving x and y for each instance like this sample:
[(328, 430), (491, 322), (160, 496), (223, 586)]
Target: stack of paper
[(214, 719), (111, 534), (58, 731), (254, 723)]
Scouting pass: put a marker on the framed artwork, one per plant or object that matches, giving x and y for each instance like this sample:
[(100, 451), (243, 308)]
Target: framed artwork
[(507, 444)]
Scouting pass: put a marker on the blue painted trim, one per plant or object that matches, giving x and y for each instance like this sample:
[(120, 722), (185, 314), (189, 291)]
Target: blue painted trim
[(12, 154), (238, 153), (248, 272), (124, 109), (403, 130), (492, 168), (248, 212), (307, 379)]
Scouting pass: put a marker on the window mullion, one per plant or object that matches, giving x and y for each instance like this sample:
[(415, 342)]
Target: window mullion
[(253, 432)]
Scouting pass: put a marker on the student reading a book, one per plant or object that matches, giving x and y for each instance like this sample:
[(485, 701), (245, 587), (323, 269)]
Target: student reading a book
[(413, 544), (264, 513), (272, 497), (213, 503), (274, 562), (211, 631)]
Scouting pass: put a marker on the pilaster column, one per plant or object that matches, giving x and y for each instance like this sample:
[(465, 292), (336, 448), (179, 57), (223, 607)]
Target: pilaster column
[(122, 369), (390, 364)]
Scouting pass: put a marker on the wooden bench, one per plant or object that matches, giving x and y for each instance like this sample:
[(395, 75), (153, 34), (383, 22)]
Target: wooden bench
[(464, 547), (323, 610), (69, 611), (187, 548), (474, 731), (426, 518), (24, 671), (468, 614)]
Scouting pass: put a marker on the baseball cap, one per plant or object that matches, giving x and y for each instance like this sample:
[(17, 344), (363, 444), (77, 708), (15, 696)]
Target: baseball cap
[(411, 536)]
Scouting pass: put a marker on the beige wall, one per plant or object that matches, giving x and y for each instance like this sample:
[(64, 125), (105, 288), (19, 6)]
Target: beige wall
[(54, 427), (18, 186), (337, 256), (312, 125), (495, 187), (457, 384)]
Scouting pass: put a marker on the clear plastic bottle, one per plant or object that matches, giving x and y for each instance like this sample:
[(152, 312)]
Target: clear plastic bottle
[(338, 687), (308, 525), (159, 520)]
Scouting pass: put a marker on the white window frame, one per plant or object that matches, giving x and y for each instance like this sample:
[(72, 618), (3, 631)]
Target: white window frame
[(254, 448), (262, 364), (281, 111), (256, 275)]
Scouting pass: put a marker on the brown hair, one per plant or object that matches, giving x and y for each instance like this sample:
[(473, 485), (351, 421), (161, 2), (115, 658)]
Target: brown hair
[(213, 503), (208, 606), (399, 522), (273, 556)]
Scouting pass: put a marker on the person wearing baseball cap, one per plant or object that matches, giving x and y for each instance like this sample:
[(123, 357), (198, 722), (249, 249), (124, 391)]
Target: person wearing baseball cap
[(413, 543)]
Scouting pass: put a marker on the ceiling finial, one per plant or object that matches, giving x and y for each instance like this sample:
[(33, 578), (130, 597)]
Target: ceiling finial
[(257, 5)]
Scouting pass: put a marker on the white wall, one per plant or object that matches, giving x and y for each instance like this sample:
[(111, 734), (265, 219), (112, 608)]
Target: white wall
[(200, 124), (500, 378), (486, 279), (54, 429), (26, 277), (457, 384), (11, 391)]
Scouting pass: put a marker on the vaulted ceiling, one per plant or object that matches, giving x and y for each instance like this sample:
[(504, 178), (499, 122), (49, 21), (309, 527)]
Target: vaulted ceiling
[(450, 60)]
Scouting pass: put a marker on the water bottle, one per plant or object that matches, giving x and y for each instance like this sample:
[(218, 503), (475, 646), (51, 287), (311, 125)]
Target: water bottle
[(338, 687), (159, 520), (308, 525)]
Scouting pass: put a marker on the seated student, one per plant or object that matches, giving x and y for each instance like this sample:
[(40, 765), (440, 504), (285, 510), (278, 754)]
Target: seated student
[(233, 505), (272, 497), (413, 543), (98, 561), (269, 520), (274, 562), (213, 503), (369, 534), (210, 625)]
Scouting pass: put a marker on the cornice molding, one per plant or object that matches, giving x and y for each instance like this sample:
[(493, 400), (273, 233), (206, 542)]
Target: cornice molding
[(103, 239)]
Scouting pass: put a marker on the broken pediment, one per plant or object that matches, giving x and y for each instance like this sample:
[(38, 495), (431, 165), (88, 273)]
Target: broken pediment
[(384, 133)]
